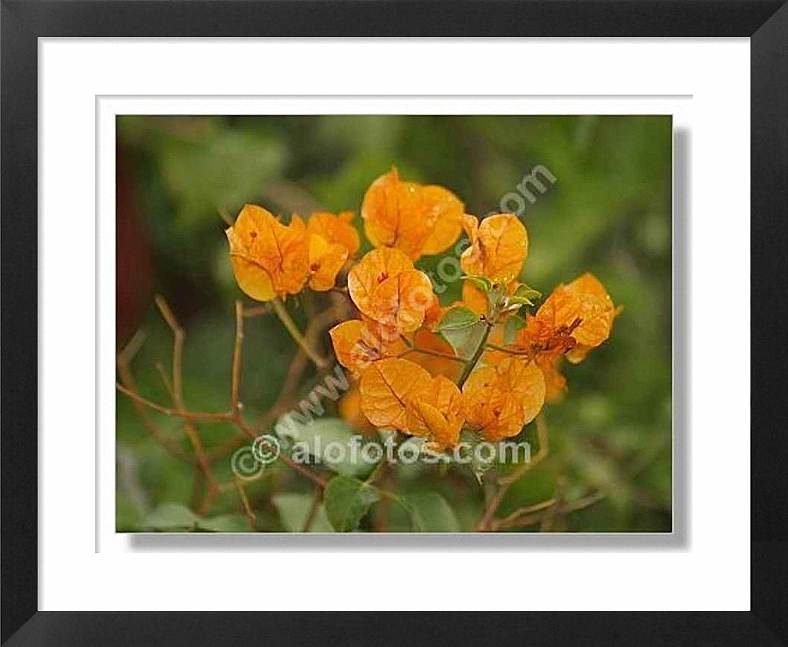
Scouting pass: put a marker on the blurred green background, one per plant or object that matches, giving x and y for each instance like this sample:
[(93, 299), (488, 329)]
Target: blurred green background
[(609, 212)]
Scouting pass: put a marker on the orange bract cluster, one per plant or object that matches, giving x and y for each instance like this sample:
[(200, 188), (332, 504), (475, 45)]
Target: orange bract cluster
[(410, 377), (272, 260), (501, 399), (393, 299), (414, 218), (400, 394), (573, 320), (498, 249)]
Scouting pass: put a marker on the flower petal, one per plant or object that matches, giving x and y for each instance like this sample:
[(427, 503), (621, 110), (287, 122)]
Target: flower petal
[(386, 387), (499, 247)]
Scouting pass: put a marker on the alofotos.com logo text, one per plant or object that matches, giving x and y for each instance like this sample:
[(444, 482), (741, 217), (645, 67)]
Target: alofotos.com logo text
[(249, 461)]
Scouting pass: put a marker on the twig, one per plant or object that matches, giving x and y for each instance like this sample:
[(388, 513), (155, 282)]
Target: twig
[(177, 348), (127, 378), (235, 405), (412, 348), (250, 515), (165, 379), (521, 512), (299, 363), (552, 513), (504, 483), (511, 351), (299, 339), (193, 434), (317, 480), (128, 387), (466, 373), (528, 520), (167, 411)]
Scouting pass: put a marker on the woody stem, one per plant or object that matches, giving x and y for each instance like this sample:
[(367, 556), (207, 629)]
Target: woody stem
[(295, 333), (476, 354)]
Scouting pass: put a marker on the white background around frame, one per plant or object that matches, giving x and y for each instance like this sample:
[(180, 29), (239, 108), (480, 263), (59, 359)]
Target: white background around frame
[(84, 564)]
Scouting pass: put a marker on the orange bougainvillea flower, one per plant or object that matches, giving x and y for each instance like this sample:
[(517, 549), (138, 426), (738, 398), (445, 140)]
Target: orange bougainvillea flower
[(357, 344), (269, 259), (554, 381), (499, 247), (414, 218), (574, 319), (325, 261), (437, 413), (386, 388), (501, 399), (447, 211), (337, 229), (385, 287)]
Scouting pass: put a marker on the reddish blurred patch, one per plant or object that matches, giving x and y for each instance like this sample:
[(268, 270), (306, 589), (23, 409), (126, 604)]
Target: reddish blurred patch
[(133, 267)]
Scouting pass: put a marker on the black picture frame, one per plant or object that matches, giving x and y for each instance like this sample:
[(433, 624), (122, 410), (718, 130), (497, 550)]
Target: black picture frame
[(765, 22)]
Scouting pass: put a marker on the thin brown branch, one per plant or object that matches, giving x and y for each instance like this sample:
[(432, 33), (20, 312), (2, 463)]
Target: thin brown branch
[(235, 387), (434, 353), (203, 459), (538, 517), (477, 354), (167, 411), (295, 333), (504, 483), (553, 514), (131, 349), (583, 503), (317, 480), (127, 378), (165, 379), (521, 512), (250, 515), (176, 389), (511, 351), (177, 348)]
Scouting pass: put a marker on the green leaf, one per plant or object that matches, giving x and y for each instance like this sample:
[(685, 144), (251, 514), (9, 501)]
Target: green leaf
[(518, 301), (171, 516), (513, 324), (347, 500), (174, 516), (332, 441), (481, 282), (294, 510), (430, 512), (524, 295), (224, 523), (457, 319), (462, 328)]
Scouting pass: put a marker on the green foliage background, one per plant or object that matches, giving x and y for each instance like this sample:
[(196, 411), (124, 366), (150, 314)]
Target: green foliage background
[(609, 212)]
